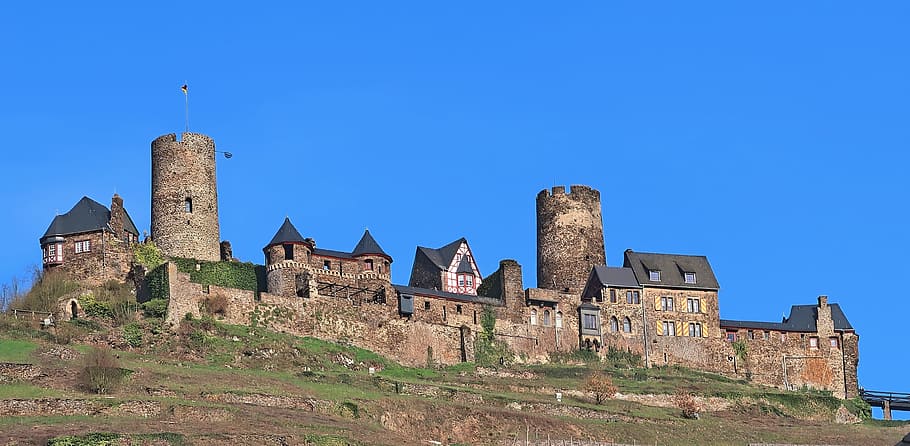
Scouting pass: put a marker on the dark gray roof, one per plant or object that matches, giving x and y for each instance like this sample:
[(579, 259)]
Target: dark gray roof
[(287, 233), (672, 268), (332, 253), (442, 257), (465, 265), (802, 318), (617, 277), (367, 245), (86, 216), (402, 289)]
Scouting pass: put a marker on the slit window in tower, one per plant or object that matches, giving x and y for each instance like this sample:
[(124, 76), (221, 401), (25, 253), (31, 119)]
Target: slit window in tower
[(288, 252), (188, 205)]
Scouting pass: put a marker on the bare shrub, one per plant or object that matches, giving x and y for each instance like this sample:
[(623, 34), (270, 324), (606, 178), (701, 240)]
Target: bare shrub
[(47, 289), (100, 371), (601, 386), (215, 305), (688, 404)]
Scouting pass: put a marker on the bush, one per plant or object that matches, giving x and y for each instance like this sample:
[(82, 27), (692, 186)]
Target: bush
[(132, 333), (574, 356), (601, 386), (620, 357), (215, 305), (100, 371), (687, 403), (155, 308), (93, 439), (148, 255), (47, 289)]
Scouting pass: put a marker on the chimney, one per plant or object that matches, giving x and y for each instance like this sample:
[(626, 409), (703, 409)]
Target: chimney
[(822, 301), (117, 216)]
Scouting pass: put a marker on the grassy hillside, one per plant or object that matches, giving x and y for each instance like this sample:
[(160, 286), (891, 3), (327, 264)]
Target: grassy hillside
[(207, 383)]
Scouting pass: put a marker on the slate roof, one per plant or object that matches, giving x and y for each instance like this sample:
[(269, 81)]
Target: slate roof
[(617, 277), (287, 233), (402, 289), (672, 268), (802, 319), (86, 216), (442, 257), (465, 266), (332, 253), (367, 245)]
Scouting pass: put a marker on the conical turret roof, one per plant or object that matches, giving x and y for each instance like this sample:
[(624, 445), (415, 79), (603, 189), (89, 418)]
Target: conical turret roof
[(368, 245), (287, 233)]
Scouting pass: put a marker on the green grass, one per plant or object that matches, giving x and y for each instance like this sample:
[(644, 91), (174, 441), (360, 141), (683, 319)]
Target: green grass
[(16, 351), (22, 390)]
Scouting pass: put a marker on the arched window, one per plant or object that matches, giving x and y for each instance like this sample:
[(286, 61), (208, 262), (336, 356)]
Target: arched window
[(558, 319), (614, 324), (188, 205), (626, 325), (533, 316), (546, 317)]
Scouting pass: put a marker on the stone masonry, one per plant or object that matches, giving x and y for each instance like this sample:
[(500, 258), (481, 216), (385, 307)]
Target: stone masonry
[(570, 238)]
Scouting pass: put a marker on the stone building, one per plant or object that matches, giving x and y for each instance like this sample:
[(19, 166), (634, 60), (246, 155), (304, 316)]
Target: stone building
[(90, 242), (185, 197), (570, 238), (450, 268)]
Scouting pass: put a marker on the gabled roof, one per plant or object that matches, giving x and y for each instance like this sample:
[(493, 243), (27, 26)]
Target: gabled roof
[(442, 257), (86, 216), (287, 233), (367, 245), (803, 318), (464, 266), (603, 276), (672, 269)]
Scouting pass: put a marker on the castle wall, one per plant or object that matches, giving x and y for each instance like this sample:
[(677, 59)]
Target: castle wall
[(185, 170), (570, 238)]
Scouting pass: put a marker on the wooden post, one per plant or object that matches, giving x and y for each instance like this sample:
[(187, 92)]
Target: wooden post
[(886, 409)]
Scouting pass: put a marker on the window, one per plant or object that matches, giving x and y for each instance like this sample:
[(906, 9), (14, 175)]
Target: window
[(813, 342), (368, 265), (461, 280), (626, 325), (731, 336), (834, 342), (629, 297), (53, 253), (188, 205), (750, 334), (426, 305), (654, 275), (443, 312), (546, 317), (765, 335), (288, 252), (612, 296), (666, 303), (614, 324), (558, 319), (533, 316), (636, 297), (783, 336), (669, 328), (695, 329), (458, 309), (690, 277), (589, 321), (83, 246), (470, 280), (326, 265), (693, 305)]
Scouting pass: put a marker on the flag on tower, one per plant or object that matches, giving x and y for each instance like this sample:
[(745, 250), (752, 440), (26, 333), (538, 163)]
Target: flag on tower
[(184, 88)]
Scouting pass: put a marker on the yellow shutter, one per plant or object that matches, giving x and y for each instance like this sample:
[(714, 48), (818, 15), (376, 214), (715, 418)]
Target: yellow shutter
[(704, 330), (657, 303), (660, 328), (679, 331)]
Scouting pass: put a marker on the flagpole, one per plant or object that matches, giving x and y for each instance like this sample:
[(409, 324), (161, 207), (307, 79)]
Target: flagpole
[(186, 96)]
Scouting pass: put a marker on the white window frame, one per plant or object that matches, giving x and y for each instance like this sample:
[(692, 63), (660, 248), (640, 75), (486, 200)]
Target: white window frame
[(695, 329), (689, 277), (693, 305), (533, 318), (666, 303), (669, 328), (83, 246), (654, 275)]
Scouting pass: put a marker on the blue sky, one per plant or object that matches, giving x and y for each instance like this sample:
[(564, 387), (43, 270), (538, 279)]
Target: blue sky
[(770, 137)]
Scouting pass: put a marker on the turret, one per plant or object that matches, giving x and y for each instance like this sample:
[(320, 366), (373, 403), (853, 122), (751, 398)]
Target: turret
[(570, 237), (371, 255)]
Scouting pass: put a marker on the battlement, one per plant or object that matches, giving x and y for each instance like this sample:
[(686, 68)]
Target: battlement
[(196, 141), (576, 191)]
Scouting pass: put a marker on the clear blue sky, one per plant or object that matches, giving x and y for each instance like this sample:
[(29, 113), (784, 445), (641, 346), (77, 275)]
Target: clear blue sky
[(770, 137)]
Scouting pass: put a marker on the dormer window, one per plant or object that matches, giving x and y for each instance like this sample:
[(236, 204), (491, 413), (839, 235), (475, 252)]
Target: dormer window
[(654, 275), (188, 205), (690, 277)]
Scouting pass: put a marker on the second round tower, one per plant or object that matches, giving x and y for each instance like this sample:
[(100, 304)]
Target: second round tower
[(570, 237), (185, 197)]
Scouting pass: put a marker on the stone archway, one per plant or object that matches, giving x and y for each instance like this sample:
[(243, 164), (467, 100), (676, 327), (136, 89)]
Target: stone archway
[(73, 308)]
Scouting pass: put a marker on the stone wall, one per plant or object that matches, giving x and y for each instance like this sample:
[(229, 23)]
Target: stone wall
[(570, 238), (109, 258), (185, 170)]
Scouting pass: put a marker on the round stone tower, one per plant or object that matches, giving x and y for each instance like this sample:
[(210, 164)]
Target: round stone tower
[(185, 197), (570, 237)]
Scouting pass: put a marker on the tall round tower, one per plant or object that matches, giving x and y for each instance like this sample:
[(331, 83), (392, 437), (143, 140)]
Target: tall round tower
[(570, 237), (185, 197)]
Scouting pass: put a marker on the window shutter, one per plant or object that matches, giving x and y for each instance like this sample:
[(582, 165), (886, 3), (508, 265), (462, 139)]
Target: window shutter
[(660, 328), (657, 303), (679, 328), (704, 330)]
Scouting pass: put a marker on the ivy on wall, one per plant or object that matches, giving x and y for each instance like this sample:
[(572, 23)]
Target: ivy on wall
[(243, 276), (157, 281)]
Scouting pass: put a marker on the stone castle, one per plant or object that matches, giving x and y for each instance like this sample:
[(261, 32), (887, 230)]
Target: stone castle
[(663, 307)]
